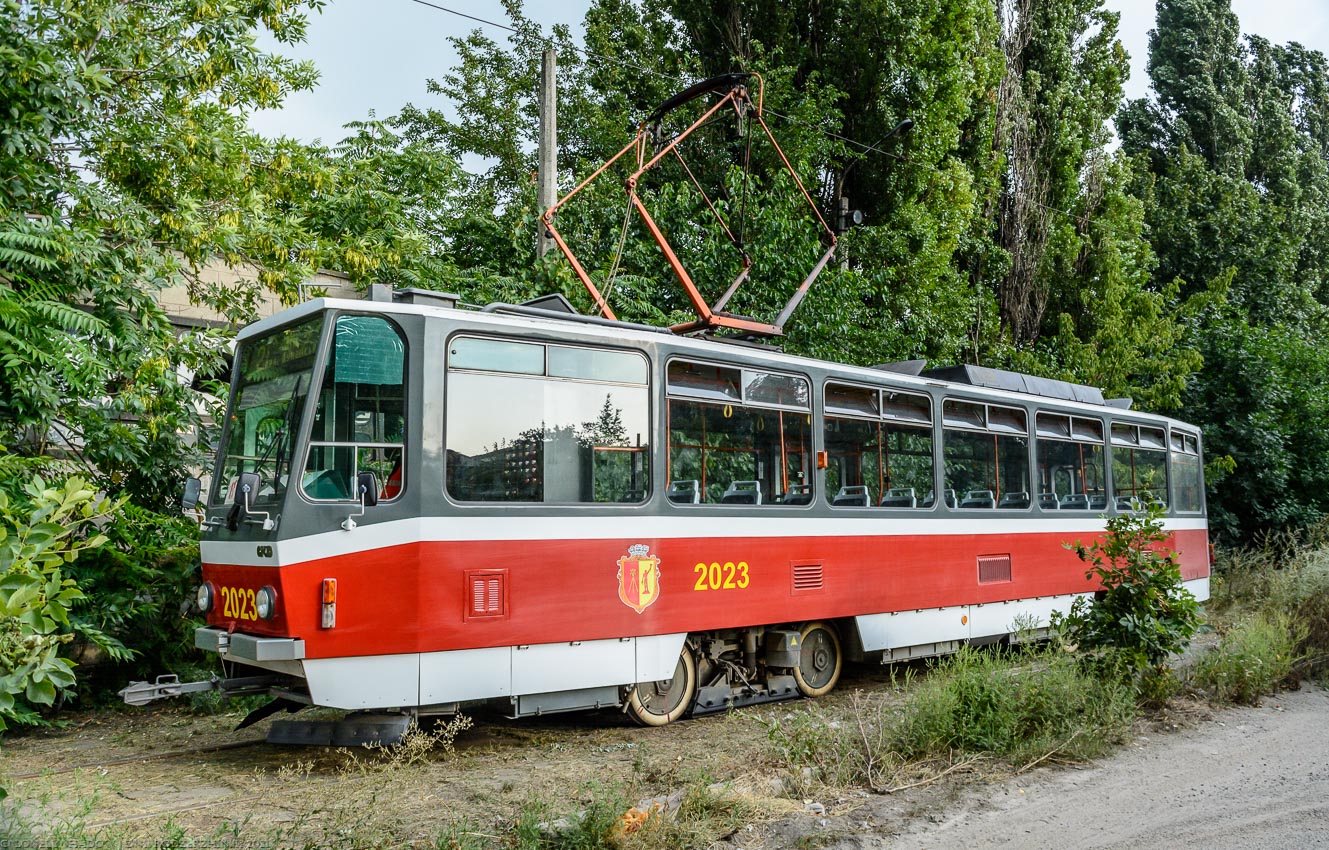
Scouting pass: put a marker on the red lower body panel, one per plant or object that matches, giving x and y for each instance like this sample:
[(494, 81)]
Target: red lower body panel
[(433, 596)]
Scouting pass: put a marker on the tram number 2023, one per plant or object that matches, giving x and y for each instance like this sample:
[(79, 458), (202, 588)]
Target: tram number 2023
[(726, 576), (238, 602)]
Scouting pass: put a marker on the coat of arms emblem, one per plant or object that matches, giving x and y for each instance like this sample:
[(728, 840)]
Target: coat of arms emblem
[(638, 577)]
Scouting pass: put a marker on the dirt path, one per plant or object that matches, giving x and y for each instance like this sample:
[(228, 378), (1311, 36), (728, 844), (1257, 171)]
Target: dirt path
[(1250, 778)]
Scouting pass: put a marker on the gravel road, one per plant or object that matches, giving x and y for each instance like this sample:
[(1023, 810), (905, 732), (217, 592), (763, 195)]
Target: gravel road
[(1251, 778)]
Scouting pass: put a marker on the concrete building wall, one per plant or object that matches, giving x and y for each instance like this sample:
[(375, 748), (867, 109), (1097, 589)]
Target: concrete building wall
[(175, 299)]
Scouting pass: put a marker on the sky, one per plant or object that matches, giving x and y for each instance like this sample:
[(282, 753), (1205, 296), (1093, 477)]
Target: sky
[(377, 54)]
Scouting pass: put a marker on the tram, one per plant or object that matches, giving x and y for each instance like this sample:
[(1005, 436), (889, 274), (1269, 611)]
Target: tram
[(417, 506)]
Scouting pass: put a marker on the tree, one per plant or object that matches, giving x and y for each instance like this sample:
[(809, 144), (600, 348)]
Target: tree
[(1116, 327), (908, 289), (1063, 80), (127, 165), (383, 210), (1232, 161)]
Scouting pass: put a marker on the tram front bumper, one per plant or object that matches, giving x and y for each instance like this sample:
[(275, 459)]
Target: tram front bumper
[(243, 647)]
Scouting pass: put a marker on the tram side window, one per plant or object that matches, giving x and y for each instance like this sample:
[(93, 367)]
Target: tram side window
[(1070, 463), (884, 461), (529, 422), (360, 421), (1139, 465), (1187, 472), (738, 436), (986, 452)]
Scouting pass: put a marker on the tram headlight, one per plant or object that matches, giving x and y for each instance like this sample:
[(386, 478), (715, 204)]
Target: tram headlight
[(206, 597), (265, 602)]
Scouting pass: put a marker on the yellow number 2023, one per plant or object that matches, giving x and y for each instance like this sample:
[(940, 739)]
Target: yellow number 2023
[(238, 603), (726, 576)]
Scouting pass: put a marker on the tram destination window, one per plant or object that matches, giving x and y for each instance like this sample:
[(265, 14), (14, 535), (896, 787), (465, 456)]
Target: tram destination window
[(879, 448), (1139, 466), (1070, 465), (986, 452), (360, 420), (738, 436), (544, 423)]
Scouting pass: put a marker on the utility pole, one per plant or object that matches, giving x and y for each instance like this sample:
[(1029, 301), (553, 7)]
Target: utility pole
[(547, 173), (842, 227)]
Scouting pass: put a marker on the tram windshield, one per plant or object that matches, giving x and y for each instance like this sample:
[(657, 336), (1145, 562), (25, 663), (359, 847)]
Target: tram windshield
[(274, 378)]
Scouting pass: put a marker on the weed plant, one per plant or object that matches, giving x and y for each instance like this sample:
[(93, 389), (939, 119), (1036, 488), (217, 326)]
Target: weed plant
[(1271, 605), (1017, 708), (1143, 613), (1255, 657), (704, 815), (1021, 707)]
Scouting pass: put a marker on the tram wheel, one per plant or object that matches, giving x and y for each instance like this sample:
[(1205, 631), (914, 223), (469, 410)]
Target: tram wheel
[(664, 701), (819, 660)]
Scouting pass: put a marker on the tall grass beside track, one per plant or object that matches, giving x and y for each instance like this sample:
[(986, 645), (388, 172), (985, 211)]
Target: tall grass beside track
[(1019, 707), (1270, 608)]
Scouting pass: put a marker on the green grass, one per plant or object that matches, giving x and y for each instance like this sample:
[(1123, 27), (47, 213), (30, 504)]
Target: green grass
[(1281, 585), (1019, 707), (1255, 657)]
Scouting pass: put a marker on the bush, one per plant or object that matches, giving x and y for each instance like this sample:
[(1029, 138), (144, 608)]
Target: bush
[(43, 529), (1253, 659), (140, 589), (1143, 613)]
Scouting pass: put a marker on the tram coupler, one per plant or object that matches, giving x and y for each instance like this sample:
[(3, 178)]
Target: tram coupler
[(169, 685)]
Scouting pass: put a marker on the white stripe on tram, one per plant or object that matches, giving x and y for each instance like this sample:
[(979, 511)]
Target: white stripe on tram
[(369, 537)]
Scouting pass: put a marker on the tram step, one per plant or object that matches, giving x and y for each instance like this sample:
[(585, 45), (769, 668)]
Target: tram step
[(355, 730)]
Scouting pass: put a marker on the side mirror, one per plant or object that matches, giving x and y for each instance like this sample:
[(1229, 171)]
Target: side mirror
[(193, 487), (246, 489), (366, 487)]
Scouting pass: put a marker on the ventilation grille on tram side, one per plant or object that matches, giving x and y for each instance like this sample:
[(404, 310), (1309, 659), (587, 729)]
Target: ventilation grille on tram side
[(807, 577), (994, 568), (487, 595)]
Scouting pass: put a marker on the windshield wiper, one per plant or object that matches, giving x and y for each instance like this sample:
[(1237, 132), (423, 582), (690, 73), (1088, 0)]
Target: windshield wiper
[(279, 436)]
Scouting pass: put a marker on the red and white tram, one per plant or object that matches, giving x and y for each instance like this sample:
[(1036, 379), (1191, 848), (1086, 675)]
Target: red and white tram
[(416, 506)]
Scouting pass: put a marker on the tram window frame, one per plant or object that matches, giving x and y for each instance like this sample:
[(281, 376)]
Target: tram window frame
[(360, 452), (702, 390), (896, 415), (1184, 451), (1135, 439), (962, 419), (1062, 428), (521, 474)]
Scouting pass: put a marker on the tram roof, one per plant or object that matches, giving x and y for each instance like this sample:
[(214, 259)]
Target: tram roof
[(991, 384)]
